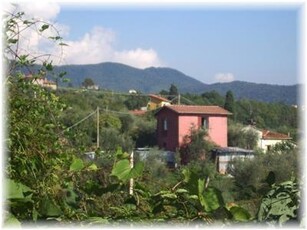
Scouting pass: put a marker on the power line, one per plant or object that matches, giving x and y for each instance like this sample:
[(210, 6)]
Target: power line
[(187, 99), (91, 114), (130, 94), (112, 111), (117, 112)]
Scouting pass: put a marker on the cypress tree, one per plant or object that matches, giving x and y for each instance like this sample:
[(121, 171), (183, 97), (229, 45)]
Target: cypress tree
[(229, 102)]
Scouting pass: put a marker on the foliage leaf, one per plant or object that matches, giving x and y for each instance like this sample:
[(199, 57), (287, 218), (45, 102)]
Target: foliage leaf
[(44, 27), (96, 220), (11, 221), (76, 165), (123, 171), (210, 198), (49, 209), (281, 203), (17, 190), (239, 213), (92, 167)]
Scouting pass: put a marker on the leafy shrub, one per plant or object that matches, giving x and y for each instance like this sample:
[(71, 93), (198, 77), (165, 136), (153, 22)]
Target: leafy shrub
[(281, 204)]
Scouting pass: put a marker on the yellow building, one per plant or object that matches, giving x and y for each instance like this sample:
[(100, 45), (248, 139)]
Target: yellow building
[(157, 102)]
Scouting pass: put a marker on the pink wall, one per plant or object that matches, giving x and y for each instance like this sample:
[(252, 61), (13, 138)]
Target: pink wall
[(218, 130), (185, 125), (180, 126)]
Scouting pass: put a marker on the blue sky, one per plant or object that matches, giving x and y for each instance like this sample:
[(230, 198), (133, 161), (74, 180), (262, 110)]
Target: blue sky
[(210, 44)]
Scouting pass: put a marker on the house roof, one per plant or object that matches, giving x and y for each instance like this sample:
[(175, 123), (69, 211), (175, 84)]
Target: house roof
[(158, 97), (269, 135), (138, 112), (197, 109), (42, 80), (47, 82), (233, 150)]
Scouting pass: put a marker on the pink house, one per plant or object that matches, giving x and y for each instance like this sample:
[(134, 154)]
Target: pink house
[(174, 122)]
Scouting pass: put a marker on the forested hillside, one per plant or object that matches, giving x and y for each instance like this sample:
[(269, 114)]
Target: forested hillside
[(122, 78), (152, 80), (112, 76)]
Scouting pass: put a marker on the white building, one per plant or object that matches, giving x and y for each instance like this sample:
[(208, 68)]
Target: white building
[(267, 139)]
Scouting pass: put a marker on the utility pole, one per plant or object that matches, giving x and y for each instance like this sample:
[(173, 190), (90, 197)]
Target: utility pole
[(97, 128), (178, 99), (131, 180)]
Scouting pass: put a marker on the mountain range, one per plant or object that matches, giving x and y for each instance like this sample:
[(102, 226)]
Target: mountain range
[(122, 78)]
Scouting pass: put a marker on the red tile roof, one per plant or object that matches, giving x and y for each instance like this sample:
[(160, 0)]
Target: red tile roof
[(269, 135), (198, 109), (158, 97), (138, 112)]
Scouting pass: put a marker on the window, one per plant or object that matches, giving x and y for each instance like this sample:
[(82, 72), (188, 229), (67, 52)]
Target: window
[(204, 123), (165, 124)]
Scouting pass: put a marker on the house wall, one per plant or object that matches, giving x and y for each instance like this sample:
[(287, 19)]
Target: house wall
[(155, 103), (152, 106), (217, 131), (44, 83), (167, 139), (264, 144), (180, 126), (217, 128), (185, 125), (163, 103), (51, 86)]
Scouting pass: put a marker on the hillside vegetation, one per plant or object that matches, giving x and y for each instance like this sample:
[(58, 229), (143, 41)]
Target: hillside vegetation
[(110, 76)]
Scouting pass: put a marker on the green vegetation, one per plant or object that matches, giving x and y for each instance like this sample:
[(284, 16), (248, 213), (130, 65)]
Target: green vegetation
[(240, 137), (88, 82), (51, 181), (229, 102), (110, 76)]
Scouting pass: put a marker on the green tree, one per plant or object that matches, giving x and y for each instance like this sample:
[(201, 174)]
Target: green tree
[(229, 102), (251, 174), (37, 153), (213, 98), (108, 120), (88, 82), (136, 101), (195, 147), (144, 131), (173, 90), (240, 136), (164, 92)]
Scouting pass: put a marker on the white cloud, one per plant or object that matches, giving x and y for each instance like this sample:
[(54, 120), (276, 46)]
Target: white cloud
[(30, 40), (96, 46), (224, 77), (139, 58), (40, 9)]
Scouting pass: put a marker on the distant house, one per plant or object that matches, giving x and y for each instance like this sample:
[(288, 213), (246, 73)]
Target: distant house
[(93, 87), (224, 156), (267, 139), (43, 82), (132, 91), (174, 123), (157, 102)]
